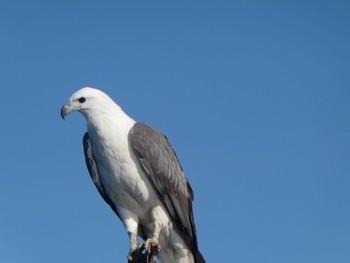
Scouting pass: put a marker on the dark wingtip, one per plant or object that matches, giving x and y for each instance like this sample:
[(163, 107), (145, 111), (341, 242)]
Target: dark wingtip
[(199, 257)]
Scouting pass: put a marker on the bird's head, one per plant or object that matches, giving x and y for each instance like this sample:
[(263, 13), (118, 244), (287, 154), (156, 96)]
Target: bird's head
[(84, 101)]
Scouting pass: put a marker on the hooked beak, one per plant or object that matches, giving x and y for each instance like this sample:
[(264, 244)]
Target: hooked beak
[(65, 110)]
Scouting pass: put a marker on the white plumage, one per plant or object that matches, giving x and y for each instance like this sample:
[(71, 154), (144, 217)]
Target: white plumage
[(137, 173)]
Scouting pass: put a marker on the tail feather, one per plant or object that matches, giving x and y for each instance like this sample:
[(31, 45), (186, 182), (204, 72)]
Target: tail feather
[(199, 258)]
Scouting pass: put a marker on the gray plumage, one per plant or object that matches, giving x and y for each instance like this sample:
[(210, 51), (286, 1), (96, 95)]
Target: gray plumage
[(162, 167)]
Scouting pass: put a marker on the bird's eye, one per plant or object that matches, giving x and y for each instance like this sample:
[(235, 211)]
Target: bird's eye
[(82, 100)]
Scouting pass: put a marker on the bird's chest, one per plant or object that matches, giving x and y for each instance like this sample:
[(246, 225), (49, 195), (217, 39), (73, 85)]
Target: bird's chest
[(120, 174), (112, 155)]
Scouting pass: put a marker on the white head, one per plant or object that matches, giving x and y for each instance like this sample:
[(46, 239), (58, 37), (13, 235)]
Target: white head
[(87, 100)]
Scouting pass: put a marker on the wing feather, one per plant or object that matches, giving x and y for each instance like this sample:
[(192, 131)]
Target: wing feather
[(161, 165)]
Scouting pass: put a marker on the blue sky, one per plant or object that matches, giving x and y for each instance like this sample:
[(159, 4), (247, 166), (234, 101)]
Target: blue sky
[(253, 95)]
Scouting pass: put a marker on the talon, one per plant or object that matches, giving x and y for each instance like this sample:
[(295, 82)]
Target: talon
[(151, 246), (136, 255), (144, 252), (141, 247)]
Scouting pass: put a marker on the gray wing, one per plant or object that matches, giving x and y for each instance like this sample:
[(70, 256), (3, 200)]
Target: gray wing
[(160, 164), (94, 173)]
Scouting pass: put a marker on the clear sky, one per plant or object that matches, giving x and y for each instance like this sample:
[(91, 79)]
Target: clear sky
[(253, 95)]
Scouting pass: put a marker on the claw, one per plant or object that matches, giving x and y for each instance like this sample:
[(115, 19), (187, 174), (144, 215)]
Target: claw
[(144, 252), (152, 248), (136, 255)]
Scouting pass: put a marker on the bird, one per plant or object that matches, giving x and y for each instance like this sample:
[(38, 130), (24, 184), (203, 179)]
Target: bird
[(138, 174)]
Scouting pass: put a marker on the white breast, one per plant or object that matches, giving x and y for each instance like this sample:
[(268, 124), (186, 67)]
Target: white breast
[(120, 173)]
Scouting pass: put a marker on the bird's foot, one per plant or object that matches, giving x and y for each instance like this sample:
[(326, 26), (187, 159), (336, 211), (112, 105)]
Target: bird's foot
[(145, 252), (152, 247), (136, 255)]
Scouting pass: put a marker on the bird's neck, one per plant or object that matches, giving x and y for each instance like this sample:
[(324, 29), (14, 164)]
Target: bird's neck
[(108, 121)]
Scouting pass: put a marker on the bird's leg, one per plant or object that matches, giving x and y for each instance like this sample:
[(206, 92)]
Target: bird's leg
[(151, 244), (131, 225), (133, 247), (133, 242)]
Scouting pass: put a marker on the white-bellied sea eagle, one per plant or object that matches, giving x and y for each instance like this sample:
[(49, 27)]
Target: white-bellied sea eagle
[(138, 174)]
